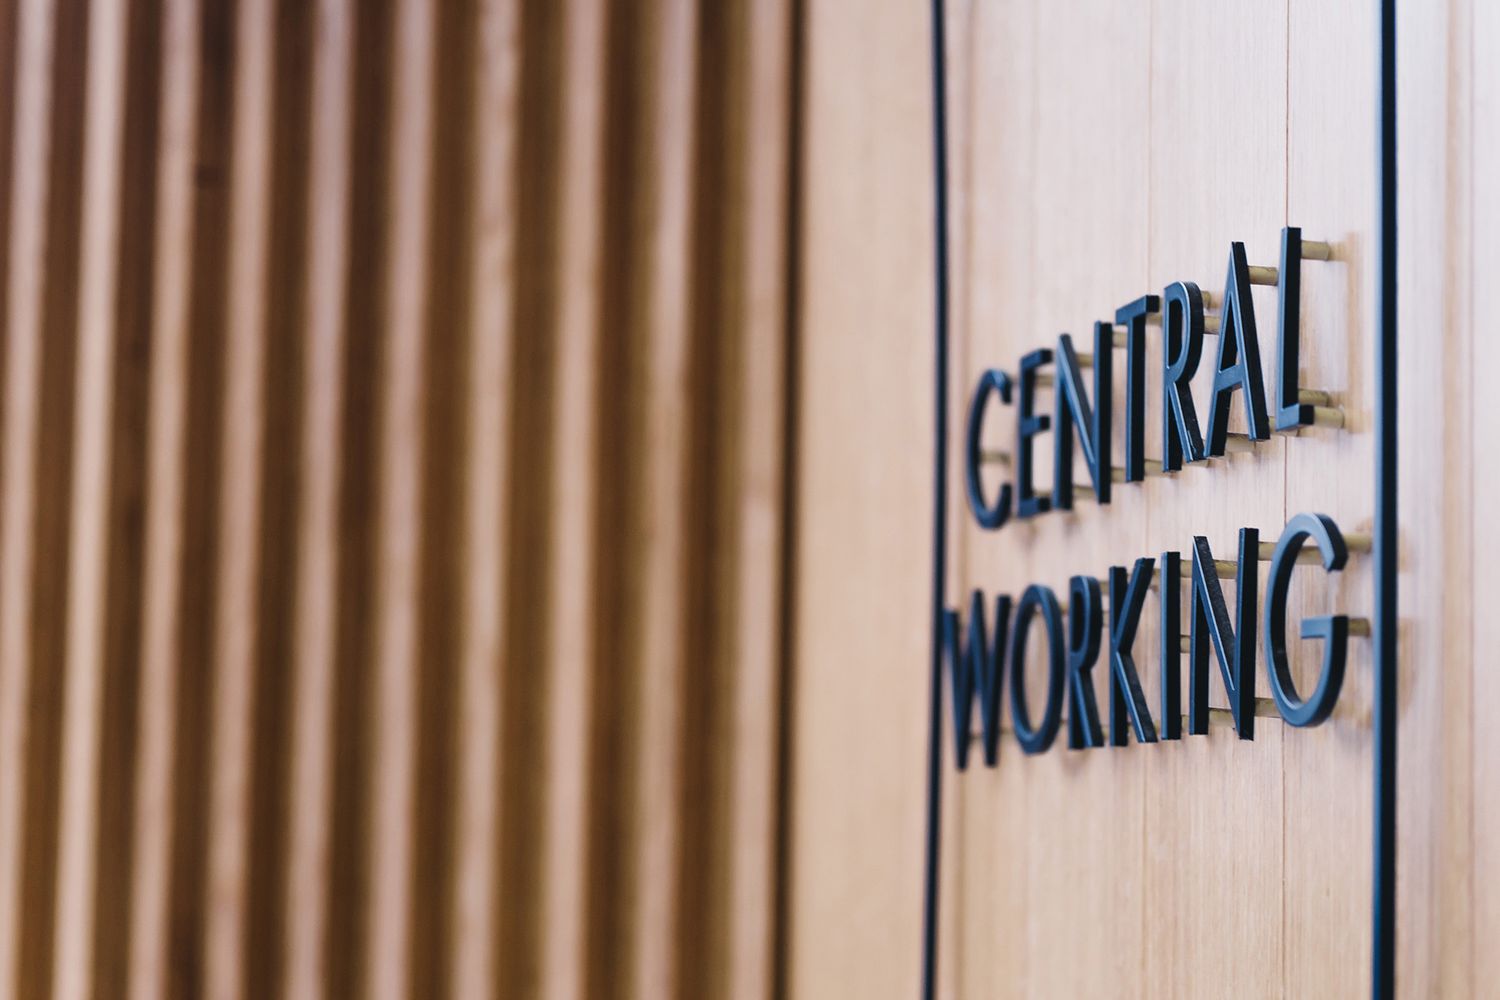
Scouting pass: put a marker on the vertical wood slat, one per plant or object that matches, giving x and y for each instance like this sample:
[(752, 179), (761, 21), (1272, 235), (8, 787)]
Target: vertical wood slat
[(166, 418), (240, 525), (119, 736), (394, 695), (667, 404), (282, 407), (310, 822), (759, 527), (28, 196), (197, 601), (477, 893), (88, 551), (574, 649), (271, 368), (528, 511), (607, 914), (348, 884)]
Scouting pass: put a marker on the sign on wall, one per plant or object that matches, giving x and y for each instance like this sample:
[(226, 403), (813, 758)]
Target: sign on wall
[(1086, 635)]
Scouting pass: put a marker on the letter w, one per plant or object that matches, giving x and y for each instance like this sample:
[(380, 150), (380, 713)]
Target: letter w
[(975, 670)]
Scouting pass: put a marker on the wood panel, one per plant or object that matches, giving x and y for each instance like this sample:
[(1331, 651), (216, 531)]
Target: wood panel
[(863, 503), (392, 563), (1437, 849), (1098, 152), (1326, 938), (1215, 858), (1485, 116)]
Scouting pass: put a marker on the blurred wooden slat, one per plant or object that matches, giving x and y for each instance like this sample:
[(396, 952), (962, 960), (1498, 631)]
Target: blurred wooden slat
[(60, 267), (573, 649), (307, 868), (119, 737), (241, 522), (446, 380), (28, 198), (758, 524), (391, 520), (88, 551), (667, 253), (199, 580), (608, 913), (359, 498), (528, 528), (167, 414), (393, 705), (282, 406), (477, 893)]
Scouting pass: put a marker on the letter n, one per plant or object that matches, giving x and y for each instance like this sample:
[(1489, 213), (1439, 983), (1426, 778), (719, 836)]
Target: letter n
[(1233, 645)]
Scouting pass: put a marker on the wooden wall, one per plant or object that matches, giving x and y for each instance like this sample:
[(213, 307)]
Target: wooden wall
[(428, 566), (1099, 151), (391, 496)]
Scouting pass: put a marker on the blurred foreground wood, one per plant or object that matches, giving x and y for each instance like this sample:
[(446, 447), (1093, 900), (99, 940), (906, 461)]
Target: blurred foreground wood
[(392, 497)]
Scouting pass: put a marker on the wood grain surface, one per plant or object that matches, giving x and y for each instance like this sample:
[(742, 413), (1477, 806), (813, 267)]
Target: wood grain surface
[(1097, 152), (393, 502), (465, 486)]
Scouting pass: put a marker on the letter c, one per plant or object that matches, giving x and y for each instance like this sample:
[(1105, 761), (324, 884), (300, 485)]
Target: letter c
[(989, 517)]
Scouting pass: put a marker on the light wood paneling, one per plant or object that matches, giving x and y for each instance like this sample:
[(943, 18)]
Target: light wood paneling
[(1326, 937), (392, 578), (1484, 304), (1098, 152), (416, 519), (1215, 857), (1437, 848), (864, 499)]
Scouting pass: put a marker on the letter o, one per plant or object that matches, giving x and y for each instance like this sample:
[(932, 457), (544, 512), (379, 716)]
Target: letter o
[(1038, 739)]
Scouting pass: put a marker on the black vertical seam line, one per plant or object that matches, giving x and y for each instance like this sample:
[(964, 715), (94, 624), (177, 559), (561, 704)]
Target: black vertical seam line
[(939, 496), (1383, 951), (1286, 220), (785, 773), (1286, 457)]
